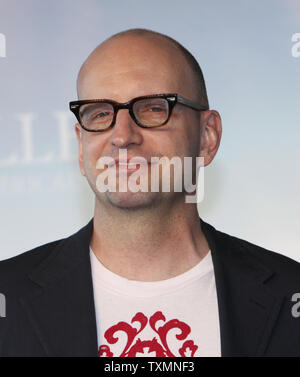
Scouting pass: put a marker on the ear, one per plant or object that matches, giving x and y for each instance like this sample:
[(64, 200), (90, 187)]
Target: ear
[(78, 131), (211, 132)]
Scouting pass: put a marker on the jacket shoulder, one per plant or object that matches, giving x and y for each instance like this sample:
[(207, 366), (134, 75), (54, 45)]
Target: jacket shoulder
[(14, 271), (271, 256), (285, 267), (20, 265)]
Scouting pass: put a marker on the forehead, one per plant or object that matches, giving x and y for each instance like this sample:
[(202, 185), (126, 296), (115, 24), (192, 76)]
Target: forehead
[(131, 66)]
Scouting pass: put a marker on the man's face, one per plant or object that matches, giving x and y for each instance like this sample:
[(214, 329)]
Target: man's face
[(122, 69)]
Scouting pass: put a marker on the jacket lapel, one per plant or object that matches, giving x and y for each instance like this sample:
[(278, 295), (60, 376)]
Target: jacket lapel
[(61, 309), (247, 308)]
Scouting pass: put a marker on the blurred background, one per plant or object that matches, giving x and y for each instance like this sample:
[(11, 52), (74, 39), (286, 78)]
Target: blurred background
[(250, 55)]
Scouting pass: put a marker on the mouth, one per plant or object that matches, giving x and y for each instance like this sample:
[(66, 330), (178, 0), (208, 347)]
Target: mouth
[(129, 167), (125, 165)]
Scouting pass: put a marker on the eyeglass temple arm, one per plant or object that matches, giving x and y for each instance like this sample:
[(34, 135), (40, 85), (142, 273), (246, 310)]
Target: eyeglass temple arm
[(191, 104)]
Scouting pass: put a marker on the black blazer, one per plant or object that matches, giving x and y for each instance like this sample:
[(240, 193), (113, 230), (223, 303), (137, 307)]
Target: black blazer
[(50, 305)]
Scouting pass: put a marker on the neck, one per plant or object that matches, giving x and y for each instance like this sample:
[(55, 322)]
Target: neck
[(148, 245)]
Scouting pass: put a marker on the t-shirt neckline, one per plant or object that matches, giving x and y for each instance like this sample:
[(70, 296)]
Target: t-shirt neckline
[(117, 284)]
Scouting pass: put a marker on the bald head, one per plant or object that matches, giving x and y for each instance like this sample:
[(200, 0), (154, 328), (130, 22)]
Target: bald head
[(142, 49)]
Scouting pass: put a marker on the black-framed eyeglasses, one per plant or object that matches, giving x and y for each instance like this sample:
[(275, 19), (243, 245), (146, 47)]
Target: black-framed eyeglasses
[(147, 111)]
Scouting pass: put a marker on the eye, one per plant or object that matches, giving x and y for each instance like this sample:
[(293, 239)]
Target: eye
[(153, 109), (96, 112), (156, 109), (102, 115)]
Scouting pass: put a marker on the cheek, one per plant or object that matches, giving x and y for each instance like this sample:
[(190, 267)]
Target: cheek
[(187, 140), (91, 150), (191, 135)]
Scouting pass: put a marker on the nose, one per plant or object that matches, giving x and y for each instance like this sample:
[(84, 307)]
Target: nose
[(125, 131)]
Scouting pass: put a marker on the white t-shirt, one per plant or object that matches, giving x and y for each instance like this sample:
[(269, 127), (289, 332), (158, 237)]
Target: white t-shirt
[(173, 317)]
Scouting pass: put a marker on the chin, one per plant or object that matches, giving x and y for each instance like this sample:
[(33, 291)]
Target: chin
[(130, 200)]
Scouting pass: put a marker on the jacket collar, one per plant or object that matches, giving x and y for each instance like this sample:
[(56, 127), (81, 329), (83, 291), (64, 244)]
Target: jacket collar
[(248, 309), (63, 302), (61, 307)]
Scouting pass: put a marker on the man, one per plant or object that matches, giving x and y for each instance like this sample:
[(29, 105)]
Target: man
[(146, 276)]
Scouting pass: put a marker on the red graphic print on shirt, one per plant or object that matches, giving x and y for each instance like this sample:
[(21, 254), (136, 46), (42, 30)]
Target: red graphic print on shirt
[(157, 347)]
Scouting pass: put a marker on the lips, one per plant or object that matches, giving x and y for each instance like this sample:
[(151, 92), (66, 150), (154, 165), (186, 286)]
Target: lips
[(128, 165), (129, 162)]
